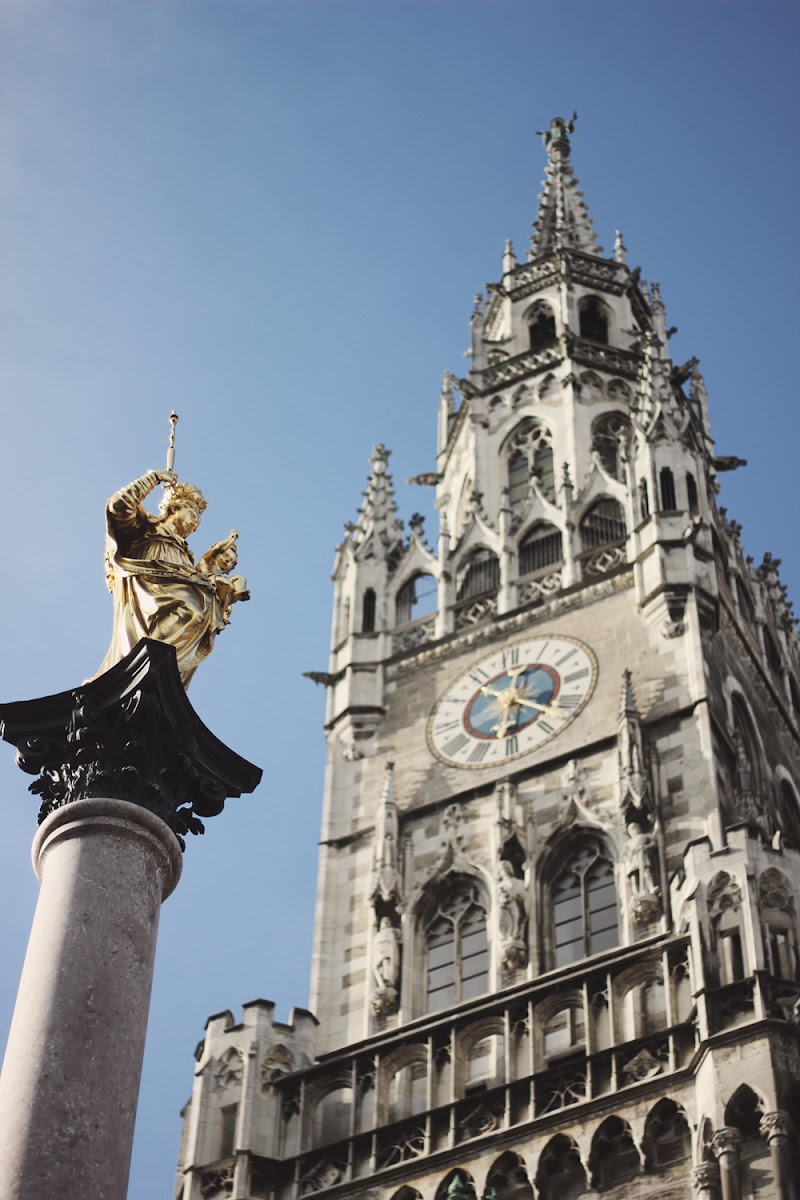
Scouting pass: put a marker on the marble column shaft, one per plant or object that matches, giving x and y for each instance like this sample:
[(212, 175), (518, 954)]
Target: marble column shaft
[(70, 1079)]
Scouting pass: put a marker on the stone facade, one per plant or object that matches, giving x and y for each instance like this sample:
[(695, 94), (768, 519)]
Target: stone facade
[(570, 964)]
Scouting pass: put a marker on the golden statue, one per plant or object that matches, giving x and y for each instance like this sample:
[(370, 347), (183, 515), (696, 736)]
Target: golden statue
[(158, 590)]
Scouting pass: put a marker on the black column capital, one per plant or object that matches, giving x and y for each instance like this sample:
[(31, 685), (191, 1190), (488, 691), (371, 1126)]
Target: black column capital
[(131, 734)]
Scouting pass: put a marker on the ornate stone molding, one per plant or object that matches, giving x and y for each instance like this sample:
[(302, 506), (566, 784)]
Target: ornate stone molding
[(131, 734), (705, 1177), (776, 1127), (726, 1140)]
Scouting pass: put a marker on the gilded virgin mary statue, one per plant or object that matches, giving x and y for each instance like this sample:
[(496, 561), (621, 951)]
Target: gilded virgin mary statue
[(159, 592)]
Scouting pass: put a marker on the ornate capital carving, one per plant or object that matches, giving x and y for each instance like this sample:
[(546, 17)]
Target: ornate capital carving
[(705, 1176), (776, 1126), (726, 1140), (131, 734)]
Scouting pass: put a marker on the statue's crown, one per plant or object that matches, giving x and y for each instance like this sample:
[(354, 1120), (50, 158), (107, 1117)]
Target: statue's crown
[(182, 493)]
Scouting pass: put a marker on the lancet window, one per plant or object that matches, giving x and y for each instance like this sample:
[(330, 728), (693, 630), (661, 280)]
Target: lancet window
[(691, 494), (614, 1158), (584, 906), (530, 454), (610, 436), (541, 327), (593, 319), (416, 598), (560, 1175), (541, 549), (457, 949), (667, 1137), (667, 486), (368, 606)]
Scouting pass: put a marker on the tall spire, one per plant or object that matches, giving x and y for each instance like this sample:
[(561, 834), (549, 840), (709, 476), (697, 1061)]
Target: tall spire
[(378, 513), (563, 221)]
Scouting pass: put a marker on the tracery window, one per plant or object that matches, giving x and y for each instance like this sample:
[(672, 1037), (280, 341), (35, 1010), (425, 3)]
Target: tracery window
[(614, 1158), (584, 906), (530, 454), (593, 319), (667, 1137), (560, 1174), (610, 436), (458, 949), (541, 327), (416, 598), (541, 549), (478, 575)]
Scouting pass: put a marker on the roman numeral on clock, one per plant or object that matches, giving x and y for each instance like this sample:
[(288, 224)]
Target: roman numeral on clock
[(440, 729), (543, 725), (479, 752), (564, 658), (512, 745), (568, 701), (511, 657), (576, 675), (455, 744), (478, 676)]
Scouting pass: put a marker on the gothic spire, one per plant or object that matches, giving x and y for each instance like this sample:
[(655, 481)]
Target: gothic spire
[(378, 514), (563, 221)]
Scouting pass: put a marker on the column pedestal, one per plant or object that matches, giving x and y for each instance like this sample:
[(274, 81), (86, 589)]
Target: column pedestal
[(70, 1079)]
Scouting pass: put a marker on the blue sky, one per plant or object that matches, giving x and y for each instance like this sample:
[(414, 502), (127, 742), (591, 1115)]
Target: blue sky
[(273, 216)]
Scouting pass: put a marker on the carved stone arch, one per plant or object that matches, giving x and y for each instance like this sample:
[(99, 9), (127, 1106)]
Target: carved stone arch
[(611, 440), (744, 1110), (406, 1193), (529, 456), (397, 1073), (508, 1178), (540, 321), (559, 1025), (787, 807), (327, 1120), (703, 1149), (667, 1136), (642, 1008), (457, 1184), (723, 893), (614, 1158), (592, 386), (549, 386), (560, 1171), (619, 390), (486, 1029)]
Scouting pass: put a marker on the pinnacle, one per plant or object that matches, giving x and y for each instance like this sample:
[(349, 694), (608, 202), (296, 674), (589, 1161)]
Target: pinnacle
[(563, 221), (627, 700), (379, 510)]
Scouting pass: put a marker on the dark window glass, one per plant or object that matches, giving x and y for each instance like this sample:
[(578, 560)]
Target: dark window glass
[(518, 472), (542, 328), (368, 612), (691, 494), (585, 915), (458, 951), (544, 470), (593, 320), (228, 1130), (602, 524), (416, 598), (667, 482), (540, 550), (479, 575), (644, 500)]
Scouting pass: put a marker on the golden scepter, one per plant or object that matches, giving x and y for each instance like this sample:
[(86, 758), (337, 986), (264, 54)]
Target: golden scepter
[(173, 421)]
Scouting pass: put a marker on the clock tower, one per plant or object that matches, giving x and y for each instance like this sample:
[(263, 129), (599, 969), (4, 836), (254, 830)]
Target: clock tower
[(556, 944)]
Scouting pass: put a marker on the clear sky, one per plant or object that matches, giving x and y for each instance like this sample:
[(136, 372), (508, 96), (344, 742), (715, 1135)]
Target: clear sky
[(273, 216)]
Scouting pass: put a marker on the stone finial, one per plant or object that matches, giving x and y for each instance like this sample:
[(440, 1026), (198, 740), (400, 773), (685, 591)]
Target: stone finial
[(130, 734), (620, 249), (509, 257)]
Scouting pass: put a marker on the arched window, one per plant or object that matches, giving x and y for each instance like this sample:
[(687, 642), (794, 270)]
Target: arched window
[(789, 814), (458, 949), (332, 1116), (565, 1032), (416, 598), (518, 475), (610, 436), (458, 1185), (667, 486), (508, 1179), (771, 651), (745, 603), (667, 1137), (691, 494), (530, 454), (602, 524), (747, 771), (478, 575), (777, 905), (593, 319), (540, 549), (368, 611), (744, 1111), (560, 1174), (614, 1158), (584, 906), (541, 327)]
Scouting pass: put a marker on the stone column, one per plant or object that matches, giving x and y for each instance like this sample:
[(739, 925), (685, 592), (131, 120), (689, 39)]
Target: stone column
[(705, 1181), (725, 1143), (124, 769), (70, 1079), (776, 1128)]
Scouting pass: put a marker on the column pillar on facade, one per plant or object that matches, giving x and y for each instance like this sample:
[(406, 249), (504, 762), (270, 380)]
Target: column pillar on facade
[(705, 1181), (725, 1143), (124, 769), (776, 1128)]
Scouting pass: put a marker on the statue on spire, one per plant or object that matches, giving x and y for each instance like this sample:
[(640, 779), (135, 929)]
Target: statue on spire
[(158, 590), (556, 136)]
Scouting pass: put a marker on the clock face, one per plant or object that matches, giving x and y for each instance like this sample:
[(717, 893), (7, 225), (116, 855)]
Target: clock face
[(512, 701)]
